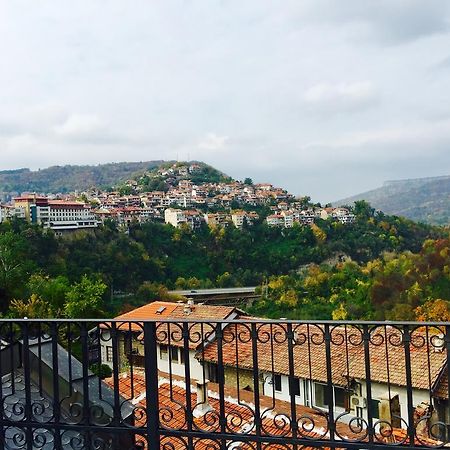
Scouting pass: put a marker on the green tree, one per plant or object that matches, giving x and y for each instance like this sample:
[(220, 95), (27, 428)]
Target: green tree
[(52, 290), (14, 265), (85, 299)]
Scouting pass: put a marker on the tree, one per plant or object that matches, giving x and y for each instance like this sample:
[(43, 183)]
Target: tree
[(437, 310), (85, 299), (149, 292), (13, 263), (363, 210), (33, 308), (52, 290), (248, 181)]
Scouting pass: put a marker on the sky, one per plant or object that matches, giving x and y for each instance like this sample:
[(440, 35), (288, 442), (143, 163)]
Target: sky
[(326, 98)]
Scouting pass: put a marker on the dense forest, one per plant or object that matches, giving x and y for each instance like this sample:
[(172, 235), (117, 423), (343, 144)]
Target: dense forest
[(327, 270), (405, 286)]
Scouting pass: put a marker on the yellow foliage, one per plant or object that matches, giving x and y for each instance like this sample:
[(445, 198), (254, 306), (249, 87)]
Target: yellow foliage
[(315, 277), (340, 313), (289, 298), (33, 308), (434, 310), (319, 234)]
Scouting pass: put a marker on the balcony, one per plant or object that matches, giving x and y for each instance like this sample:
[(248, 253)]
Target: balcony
[(236, 384)]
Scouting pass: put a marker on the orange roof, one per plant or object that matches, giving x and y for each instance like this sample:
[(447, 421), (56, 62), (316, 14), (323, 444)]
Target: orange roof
[(239, 412), (387, 354), (151, 311), (176, 312)]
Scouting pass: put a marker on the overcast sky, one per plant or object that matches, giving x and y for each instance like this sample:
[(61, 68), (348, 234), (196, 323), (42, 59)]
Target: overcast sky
[(326, 98)]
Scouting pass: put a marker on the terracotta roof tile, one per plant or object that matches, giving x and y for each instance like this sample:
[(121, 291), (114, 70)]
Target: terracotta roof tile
[(386, 350), (238, 410), (176, 311)]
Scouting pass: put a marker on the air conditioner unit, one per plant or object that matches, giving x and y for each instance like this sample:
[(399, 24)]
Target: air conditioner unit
[(358, 402)]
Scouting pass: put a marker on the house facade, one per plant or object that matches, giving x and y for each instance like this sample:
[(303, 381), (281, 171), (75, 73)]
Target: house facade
[(388, 374), (171, 352)]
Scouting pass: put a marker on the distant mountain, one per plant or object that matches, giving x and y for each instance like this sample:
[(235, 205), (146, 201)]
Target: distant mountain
[(419, 199), (70, 178)]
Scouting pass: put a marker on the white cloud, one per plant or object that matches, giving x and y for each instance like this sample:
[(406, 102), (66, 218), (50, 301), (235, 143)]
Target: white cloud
[(386, 21), (81, 126), (297, 93), (213, 142), (342, 96)]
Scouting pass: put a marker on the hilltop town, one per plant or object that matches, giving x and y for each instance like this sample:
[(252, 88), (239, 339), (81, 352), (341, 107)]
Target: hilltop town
[(180, 194)]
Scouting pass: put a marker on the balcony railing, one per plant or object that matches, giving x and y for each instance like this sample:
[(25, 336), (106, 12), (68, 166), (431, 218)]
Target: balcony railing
[(246, 384)]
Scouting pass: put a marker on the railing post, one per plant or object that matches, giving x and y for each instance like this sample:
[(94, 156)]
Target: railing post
[(366, 343), (27, 379), (254, 335), (2, 417), (294, 423), (151, 385), (330, 386), (187, 381), (409, 391), (221, 382), (56, 394), (447, 368)]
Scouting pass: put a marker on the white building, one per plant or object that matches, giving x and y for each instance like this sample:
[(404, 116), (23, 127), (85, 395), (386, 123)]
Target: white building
[(8, 212), (170, 341), (275, 220), (174, 217), (63, 216)]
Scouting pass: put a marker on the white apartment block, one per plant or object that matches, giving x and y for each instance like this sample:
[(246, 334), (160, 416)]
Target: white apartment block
[(174, 217), (8, 212), (64, 216)]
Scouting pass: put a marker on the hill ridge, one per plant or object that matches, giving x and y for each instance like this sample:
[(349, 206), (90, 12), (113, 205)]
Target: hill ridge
[(421, 199)]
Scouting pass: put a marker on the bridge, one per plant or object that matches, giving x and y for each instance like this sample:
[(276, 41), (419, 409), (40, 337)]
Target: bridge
[(221, 296)]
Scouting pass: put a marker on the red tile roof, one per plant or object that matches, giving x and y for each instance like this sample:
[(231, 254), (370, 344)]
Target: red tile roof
[(175, 312), (387, 354), (239, 412)]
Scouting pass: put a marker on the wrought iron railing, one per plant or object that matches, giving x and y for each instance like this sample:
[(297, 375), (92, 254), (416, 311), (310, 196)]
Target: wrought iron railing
[(246, 384)]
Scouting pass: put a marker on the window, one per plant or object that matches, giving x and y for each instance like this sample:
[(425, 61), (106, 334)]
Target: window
[(174, 354), (109, 354), (277, 382), (322, 399), (375, 408), (296, 386), (307, 392), (181, 356), (212, 372), (163, 352), (321, 395), (341, 398)]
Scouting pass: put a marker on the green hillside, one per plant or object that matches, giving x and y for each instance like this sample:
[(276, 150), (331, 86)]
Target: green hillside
[(421, 199), (69, 178)]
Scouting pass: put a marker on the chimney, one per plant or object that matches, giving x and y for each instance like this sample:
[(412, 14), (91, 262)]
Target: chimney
[(189, 306), (203, 406), (438, 342)]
